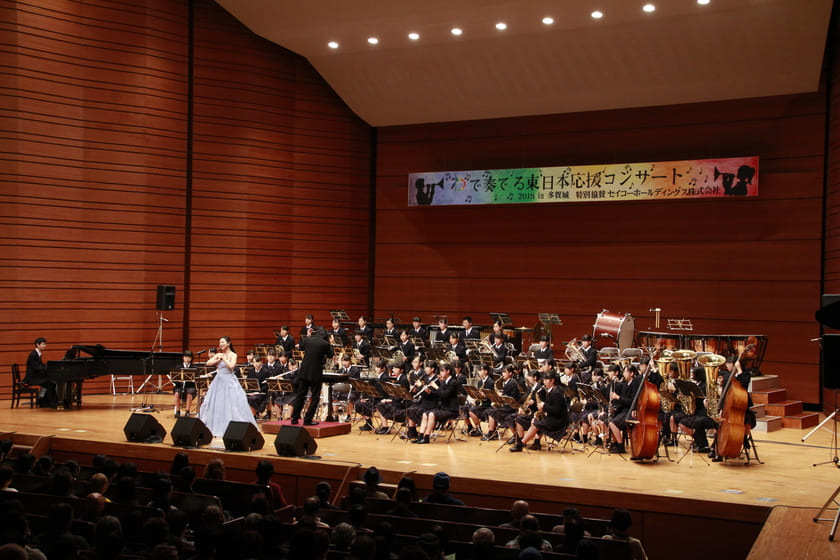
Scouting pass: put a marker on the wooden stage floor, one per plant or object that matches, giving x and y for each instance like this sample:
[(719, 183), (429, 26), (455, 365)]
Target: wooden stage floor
[(719, 494)]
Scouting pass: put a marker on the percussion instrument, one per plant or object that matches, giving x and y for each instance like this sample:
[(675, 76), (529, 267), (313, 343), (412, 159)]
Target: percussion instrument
[(727, 345), (664, 340), (613, 329)]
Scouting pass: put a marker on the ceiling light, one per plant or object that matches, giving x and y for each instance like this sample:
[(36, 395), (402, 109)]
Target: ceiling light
[(597, 15), (332, 45), (702, 2), (548, 20), (373, 40), (501, 26), (648, 8), (457, 31), (413, 36)]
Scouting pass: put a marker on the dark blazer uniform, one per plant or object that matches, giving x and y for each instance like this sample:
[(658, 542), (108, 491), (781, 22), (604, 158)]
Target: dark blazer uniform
[(315, 350)]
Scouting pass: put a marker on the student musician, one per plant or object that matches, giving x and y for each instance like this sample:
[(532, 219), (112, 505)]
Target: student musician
[(590, 353), (351, 398), (285, 340), (544, 352), (442, 336), (390, 329), (288, 371), (600, 422), (477, 411), (257, 401), (646, 366), (365, 329), (446, 407), (390, 408), (417, 330), (470, 332), (733, 367), (570, 376), (424, 400), (366, 404), (456, 347), (338, 335), (184, 390), (406, 346), (416, 371), (587, 420), (503, 415), (499, 350), (362, 346), (308, 326), (498, 330), (621, 399), (460, 375), (552, 414), (696, 424), (523, 421), (671, 419)]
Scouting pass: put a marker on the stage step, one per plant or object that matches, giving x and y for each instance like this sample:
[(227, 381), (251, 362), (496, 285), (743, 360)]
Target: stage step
[(758, 410), (764, 383), (784, 408), (769, 396), (768, 424), (801, 421)]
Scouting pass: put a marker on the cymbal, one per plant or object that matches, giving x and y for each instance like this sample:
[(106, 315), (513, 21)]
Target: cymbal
[(523, 329)]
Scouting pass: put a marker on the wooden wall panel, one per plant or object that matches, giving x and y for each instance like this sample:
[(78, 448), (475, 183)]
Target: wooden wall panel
[(93, 172), (280, 189), (732, 266)]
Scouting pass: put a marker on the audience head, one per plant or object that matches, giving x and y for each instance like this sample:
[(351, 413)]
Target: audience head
[(519, 510), (620, 520), (440, 482), (179, 461), (323, 490), (215, 469), (483, 535), (264, 470)]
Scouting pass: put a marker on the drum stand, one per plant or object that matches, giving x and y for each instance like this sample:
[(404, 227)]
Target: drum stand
[(833, 416)]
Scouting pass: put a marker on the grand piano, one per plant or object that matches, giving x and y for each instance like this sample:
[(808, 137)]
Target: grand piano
[(70, 372)]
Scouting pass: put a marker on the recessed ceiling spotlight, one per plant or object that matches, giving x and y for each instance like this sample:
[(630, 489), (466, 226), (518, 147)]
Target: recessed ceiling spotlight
[(702, 2), (548, 20), (501, 26), (456, 31), (597, 14), (373, 40), (413, 36), (332, 45), (649, 8)]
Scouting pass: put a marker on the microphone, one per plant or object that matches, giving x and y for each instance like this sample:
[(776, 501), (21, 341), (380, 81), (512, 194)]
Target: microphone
[(164, 319), (200, 352)]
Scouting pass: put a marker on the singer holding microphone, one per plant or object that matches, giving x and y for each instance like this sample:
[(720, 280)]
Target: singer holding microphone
[(225, 400)]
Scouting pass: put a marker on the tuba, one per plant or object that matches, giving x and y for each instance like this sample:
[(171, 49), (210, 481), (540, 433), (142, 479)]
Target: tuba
[(684, 360), (711, 363), (573, 353)]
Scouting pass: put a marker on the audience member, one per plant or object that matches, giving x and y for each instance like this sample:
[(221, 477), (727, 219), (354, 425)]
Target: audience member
[(619, 525), (215, 469), (264, 471), (372, 479), (323, 490), (6, 476), (440, 491), (519, 510)]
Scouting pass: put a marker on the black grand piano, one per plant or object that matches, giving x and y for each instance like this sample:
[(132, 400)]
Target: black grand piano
[(88, 361)]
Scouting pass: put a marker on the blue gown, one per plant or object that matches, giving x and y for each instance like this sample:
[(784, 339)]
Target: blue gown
[(224, 402)]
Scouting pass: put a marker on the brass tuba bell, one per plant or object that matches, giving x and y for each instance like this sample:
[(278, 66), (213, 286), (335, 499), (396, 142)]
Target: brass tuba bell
[(684, 360)]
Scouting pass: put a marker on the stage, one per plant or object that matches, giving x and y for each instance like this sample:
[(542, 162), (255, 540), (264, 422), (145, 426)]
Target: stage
[(485, 475)]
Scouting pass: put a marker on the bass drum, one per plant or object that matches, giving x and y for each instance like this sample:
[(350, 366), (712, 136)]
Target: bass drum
[(663, 340), (613, 329)]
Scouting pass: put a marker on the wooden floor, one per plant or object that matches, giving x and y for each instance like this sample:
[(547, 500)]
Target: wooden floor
[(787, 477)]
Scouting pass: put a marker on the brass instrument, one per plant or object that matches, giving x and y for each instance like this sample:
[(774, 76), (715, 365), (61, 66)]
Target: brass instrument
[(711, 363), (573, 353), (684, 360), (539, 414)]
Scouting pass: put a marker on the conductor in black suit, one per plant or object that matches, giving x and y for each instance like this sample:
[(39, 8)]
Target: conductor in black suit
[(36, 374), (316, 349)]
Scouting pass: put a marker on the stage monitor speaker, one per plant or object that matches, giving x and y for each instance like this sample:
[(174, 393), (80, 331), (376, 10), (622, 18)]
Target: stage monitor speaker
[(294, 441), (165, 297), (831, 361), (243, 436), (828, 299), (144, 428), (190, 432)]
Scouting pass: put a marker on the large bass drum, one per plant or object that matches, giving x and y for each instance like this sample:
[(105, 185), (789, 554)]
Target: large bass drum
[(613, 329)]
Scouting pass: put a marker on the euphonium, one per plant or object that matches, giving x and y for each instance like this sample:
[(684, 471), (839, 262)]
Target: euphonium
[(573, 353)]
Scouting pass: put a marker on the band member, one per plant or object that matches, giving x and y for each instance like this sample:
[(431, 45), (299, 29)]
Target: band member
[(417, 330), (249, 358), (315, 350), (390, 408), (523, 421), (271, 363), (362, 345), (477, 412), (446, 408), (552, 414), (587, 420), (570, 376), (696, 424), (590, 354), (470, 333), (338, 335), (184, 389), (499, 350), (406, 346), (459, 374), (390, 329), (648, 367), (351, 398), (443, 332), (365, 329), (672, 418), (503, 415), (285, 340), (257, 401), (416, 372), (288, 371), (456, 346), (308, 327), (621, 402), (544, 352), (498, 330), (366, 404), (424, 400), (733, 367), (36, 374)]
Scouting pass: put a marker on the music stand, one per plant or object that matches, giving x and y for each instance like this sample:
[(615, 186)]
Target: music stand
[(250, 384), (475, 393), (502, 318), (340, 315)]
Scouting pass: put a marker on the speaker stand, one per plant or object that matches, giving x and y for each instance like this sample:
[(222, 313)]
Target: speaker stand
[(835, 460)]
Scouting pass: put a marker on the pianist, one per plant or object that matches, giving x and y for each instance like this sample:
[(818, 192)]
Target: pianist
[(36, 374)]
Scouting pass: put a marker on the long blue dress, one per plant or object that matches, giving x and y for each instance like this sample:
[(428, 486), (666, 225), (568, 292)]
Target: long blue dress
[(224, 402)]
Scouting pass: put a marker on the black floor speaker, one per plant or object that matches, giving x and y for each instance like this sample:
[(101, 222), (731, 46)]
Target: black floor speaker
[(294, 441), (243, 436), (143, 427), (831, 361), (190, 432)]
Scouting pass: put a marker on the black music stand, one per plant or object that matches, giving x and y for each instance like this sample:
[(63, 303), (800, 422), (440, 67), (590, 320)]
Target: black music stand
[(547, 320), (398, 393), (503, 318)]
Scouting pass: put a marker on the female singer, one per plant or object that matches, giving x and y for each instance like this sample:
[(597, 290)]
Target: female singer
[(225, 400)]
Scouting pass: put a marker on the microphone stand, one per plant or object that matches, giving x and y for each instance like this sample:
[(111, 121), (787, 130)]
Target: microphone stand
[(150, 406)]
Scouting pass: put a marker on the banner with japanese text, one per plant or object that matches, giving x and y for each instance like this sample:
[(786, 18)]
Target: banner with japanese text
[(663, 180)]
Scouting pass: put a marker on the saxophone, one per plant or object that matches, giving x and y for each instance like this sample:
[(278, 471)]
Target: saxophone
[(539, 414)]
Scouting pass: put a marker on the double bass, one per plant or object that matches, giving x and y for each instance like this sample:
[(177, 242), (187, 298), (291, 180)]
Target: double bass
[(644, 428), (731, 430)]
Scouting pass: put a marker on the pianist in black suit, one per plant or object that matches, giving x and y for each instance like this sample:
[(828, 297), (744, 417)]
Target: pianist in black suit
[(36, 374)]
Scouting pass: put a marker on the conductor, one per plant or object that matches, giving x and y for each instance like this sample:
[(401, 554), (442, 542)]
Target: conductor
[(316, 348)]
